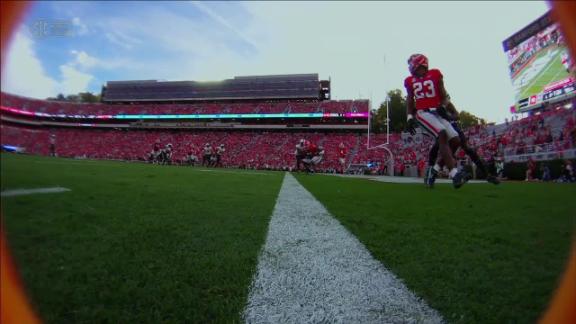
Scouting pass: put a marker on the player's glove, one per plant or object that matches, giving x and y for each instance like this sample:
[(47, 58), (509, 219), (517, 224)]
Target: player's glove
[(442, 112), (412, 125)]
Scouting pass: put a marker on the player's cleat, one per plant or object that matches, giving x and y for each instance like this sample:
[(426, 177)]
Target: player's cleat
[(460, 179), (492, 179), (430, 177)]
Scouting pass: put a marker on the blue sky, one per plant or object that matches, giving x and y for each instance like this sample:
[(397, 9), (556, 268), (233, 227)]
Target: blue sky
[(361, 46)]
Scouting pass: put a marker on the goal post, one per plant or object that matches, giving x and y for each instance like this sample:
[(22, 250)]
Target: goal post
[(383, 146)]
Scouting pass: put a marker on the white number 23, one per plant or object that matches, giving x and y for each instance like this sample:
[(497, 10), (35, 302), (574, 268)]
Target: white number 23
[(427, 86)]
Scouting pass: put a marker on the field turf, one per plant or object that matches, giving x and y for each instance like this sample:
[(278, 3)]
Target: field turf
[(134, 243), (480, 254)]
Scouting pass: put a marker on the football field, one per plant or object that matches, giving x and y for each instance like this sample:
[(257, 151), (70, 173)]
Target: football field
[(146, 243)]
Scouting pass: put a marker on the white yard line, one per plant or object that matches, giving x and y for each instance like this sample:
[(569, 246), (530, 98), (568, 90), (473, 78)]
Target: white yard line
[(312, 270), (22, 192)]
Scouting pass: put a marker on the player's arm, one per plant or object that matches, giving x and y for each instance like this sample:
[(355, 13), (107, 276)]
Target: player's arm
[(445, 100), (452, 110), (410, 106), (410, 109)]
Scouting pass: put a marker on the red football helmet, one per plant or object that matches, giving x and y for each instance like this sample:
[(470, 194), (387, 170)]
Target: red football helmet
[(417, 60)]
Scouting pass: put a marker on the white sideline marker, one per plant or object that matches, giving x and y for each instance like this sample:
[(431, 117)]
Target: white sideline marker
[(22, 192), (312, 270)]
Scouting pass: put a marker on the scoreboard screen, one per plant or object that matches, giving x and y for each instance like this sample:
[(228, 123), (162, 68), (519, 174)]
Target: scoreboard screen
[(540, 65)]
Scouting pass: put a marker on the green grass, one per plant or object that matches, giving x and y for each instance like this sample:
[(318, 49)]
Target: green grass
[(136, 243), (481, 254)]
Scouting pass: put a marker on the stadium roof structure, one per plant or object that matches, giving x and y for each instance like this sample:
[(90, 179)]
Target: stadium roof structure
[(270, 87)]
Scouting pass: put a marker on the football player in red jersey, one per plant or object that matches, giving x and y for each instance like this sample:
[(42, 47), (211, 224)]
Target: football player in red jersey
[(426, 93), (314, 155)]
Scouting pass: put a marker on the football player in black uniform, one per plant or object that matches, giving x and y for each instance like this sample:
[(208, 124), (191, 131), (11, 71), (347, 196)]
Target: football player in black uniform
[(450, 113), (206, 154), (166, 155)]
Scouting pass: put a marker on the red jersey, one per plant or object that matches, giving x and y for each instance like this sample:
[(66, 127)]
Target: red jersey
[(426, 89), (312, 149), (342, 152), (409, 156), (461, 154)]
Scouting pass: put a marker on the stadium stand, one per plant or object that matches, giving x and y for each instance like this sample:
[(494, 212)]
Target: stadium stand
[(255, 150), (550, 131), (294, 86), (61, 107)]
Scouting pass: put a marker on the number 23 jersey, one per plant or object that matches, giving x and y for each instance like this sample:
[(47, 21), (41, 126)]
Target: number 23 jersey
[(426, 89)]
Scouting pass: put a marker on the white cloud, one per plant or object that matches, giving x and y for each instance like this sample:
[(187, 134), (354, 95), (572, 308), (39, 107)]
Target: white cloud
[(181, 46), (115, 40), (23, 73), (121, 39), (84, 60), (73, 81), (178, 34), (224, 22), (80, 28)]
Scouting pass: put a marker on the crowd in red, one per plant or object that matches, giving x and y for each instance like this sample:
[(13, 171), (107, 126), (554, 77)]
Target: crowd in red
[(62, 107), (258, 150), (552, 130)]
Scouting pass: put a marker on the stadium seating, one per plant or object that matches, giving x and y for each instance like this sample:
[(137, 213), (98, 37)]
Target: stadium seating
[(552, 130), (258, 150), (257, 87), (60, 107)]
